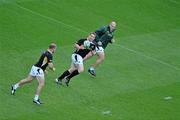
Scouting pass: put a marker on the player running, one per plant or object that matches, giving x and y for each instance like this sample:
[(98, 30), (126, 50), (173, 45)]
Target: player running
[(77, 59), (37, 71), (104, 36)]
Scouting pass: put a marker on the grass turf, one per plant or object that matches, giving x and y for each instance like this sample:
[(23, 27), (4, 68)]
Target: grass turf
[(140, 70)]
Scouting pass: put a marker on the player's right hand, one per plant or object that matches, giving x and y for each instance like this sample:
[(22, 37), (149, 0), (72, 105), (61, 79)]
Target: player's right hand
[(54, 69), (99, 43)]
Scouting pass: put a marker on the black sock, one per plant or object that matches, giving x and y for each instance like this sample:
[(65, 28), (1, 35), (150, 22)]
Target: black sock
[(74, 73), (66, 73)]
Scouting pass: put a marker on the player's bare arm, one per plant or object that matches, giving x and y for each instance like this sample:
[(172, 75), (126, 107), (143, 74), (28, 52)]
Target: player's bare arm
[(78, 46), (51, 66), (90, 54)]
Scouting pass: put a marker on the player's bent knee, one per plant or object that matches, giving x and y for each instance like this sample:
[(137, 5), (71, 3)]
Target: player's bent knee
[(81, 70), (102, 58), (41, 80), (41, 84)]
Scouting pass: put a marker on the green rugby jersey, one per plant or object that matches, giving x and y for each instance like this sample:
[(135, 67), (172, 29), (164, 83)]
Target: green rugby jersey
[(104, 35)]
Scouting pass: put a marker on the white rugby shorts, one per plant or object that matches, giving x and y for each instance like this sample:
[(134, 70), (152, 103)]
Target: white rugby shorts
[(36, 71), (99, 49), (77, 59)]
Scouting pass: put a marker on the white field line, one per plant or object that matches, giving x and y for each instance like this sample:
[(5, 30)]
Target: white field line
[(148, 57), (49, 18), (79, 29)]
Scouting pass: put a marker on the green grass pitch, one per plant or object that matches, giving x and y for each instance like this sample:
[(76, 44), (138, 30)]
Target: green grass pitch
[(139, 79)]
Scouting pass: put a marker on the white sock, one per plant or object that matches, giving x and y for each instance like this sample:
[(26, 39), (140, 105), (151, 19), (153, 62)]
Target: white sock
[(36, 97), (16, 86), (91, 68)]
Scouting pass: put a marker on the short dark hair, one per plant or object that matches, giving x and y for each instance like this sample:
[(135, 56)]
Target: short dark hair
[(52, 46)]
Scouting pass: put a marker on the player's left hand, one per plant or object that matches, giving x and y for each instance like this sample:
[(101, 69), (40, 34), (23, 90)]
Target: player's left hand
[(46, 72), (54, 69), (99, 43), (113, 40)]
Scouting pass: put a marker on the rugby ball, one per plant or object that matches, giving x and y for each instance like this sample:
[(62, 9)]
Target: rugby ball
[(86, 44)]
